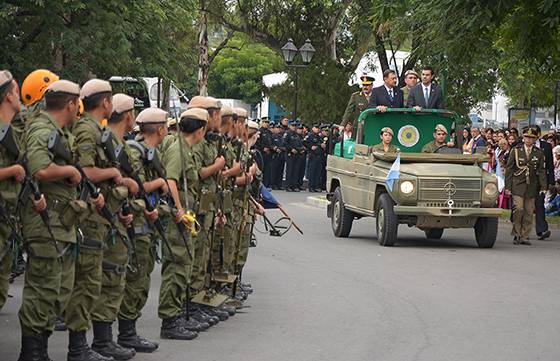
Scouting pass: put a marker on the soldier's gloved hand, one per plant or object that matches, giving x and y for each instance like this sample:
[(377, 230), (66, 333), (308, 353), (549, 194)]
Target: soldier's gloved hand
[(98, 202), (131, 185), (153, 215), (40, 205), (125, 220), (18, 173)]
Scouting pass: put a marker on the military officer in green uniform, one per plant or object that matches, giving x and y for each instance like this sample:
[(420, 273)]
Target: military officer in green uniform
[(385, 145), (358, 103), (49, 276), (11, 176), (96, 230), (182, 174), (153, 129), (440, 133), (525, 178), (410, 80)]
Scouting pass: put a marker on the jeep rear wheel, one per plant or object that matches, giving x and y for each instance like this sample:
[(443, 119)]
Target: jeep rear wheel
[(434, 233), (486, 231), (341, 220), (386, 221)]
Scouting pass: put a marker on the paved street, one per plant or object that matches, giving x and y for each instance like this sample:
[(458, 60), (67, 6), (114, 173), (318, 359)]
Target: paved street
[(322, 298)]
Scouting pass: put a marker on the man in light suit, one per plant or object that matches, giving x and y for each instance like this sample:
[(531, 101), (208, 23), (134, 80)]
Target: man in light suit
[(388, 95), (426, 95)]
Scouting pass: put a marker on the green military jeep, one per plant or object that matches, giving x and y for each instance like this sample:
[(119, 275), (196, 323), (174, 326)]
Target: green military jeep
[(433, 191)]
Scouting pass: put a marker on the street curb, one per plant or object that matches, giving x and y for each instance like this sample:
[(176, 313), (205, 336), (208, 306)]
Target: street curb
[(322, 202), (317, 201)]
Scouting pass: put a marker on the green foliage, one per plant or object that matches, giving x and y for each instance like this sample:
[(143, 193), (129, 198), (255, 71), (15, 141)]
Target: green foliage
[(238, 69)]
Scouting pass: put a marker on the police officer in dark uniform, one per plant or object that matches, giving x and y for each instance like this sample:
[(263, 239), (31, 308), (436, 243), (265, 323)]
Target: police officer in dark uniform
[(264, 145), (302, 165), (315, 152), (294, 145), (278, 157), (325, 136)]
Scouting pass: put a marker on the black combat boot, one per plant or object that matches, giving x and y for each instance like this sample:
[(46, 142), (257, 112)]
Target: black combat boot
[(79, 350), (198, 314), (172, 329), (45, 345), (214, 311), (103, 343), (32, 348), (192, 324), (130, 339), (231, 310)]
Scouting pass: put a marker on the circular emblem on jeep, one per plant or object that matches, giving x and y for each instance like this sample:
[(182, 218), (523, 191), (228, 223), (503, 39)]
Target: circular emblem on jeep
[(449, 188), (408, 135)]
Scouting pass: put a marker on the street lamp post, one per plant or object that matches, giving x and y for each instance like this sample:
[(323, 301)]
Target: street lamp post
[(289, 52)]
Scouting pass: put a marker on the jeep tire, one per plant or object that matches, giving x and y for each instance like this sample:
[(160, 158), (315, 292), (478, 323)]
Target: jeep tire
[(386, 221), (486, 231), (342, 218)]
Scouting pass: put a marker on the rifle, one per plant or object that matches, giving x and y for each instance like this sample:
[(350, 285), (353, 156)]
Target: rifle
[(15, 237), (153, 161), (29, 184), (124, 162)]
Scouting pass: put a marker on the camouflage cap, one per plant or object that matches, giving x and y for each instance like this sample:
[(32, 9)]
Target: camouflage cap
[(63, 87), (441, 127), (5, 77), (387, 130), (122, 103)]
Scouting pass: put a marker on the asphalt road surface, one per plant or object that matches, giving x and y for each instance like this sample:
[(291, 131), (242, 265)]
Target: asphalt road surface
[(320, 298)]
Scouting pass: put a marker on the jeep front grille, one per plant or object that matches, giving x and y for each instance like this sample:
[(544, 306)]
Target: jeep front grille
[(432, 189)]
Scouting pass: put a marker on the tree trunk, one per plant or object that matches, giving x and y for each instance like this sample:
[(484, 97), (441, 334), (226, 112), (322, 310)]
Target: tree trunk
[(203, 65), (381, 52)]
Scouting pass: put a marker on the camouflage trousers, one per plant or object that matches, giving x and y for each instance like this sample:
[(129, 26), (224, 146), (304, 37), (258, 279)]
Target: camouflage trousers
[(87, 285), (113, 280), (176, 271), (5, 270), (202, 244), (137, 285), (243, 242), (48, 283), (223, 249)]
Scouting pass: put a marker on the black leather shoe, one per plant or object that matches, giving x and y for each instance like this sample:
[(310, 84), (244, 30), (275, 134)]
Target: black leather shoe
[(544, 235), (130, 339), (79, 350), (103, 343), (172, 329), (289, 190)]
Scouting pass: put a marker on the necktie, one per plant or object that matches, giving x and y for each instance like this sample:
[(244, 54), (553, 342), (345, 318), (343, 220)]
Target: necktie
[(391, 94), (426, 95)]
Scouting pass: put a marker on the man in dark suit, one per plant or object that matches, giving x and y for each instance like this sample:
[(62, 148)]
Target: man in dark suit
[(541, 225), (426, 95), (387, 95)]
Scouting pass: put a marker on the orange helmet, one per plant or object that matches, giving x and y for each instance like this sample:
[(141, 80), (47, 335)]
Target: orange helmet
[(34, 86)]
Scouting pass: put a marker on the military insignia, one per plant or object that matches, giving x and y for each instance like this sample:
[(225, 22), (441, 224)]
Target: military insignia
[(408, 135)]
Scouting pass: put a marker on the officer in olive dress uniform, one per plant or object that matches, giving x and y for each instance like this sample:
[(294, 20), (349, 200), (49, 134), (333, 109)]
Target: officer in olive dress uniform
[(49, 276), (358, 103), (440, 133), (385, 146), (525, 178), (11, 176)]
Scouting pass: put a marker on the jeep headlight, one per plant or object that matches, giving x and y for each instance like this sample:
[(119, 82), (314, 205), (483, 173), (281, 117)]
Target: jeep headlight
[(407, 187), (490, 190)]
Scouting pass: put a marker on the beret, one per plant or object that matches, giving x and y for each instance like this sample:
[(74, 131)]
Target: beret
[(387, 130), (63, 87), (242, 113), (195, 113), (204, 103), (95, 86), (442, 128), (122, 103), (5, 77), (152, 116)]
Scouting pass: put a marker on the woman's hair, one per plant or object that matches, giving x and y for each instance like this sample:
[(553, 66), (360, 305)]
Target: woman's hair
[(469, 136), (189, 125)]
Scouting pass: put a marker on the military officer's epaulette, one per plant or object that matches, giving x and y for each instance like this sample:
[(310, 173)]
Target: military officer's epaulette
[(357, 93)]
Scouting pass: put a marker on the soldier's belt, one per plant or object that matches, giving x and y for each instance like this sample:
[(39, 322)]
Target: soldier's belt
[(112, 267), (92, 244)]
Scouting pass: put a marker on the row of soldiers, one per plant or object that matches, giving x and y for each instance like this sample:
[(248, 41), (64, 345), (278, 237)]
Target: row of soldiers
[(291, 147), (95, 212)]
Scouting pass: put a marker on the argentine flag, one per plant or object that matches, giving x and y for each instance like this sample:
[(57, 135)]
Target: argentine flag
[(394, 173)]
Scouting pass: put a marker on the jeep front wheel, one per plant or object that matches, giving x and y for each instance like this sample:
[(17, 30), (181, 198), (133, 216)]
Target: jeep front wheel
[(486, 231), (341, 220), (386, 221)]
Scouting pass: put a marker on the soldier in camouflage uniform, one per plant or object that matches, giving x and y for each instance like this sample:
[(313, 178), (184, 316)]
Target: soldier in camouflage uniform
[(358, 103), (385, 145), (49, 276), (182, 173), (97, 232), (153, 129), (11, 176), (440, 133)]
